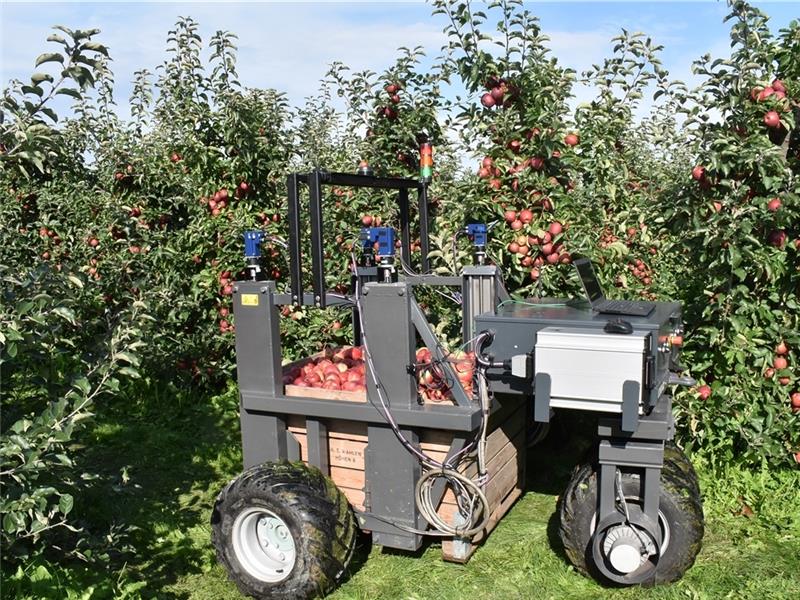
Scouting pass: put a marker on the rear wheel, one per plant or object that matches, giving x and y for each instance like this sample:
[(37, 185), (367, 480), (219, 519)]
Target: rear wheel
[(680, 521), (283, 530)]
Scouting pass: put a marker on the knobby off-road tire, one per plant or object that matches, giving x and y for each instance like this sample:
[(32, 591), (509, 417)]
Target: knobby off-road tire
[(283, 497), (680, 511)]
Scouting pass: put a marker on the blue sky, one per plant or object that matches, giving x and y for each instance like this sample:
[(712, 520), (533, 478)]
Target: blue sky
[(288, 46)]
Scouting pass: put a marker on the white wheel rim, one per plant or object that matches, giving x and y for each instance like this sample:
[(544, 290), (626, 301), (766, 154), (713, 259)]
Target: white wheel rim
[(263, 545), (662, 522)]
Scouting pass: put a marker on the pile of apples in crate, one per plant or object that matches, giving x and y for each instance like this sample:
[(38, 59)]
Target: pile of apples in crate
[(339, 369), (433, 386), (344, 369)]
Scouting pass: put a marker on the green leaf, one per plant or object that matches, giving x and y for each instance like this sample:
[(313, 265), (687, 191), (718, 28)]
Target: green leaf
[(127, 357), (133, 373), (96, 47), (82, 384), (38, 78), (32, 89), (65, 504), (65, 313), (70, 92), (9, 524), (49, 57)]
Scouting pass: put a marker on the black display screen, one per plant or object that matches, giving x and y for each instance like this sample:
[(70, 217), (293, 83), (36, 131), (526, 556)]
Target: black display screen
[(589, 279)]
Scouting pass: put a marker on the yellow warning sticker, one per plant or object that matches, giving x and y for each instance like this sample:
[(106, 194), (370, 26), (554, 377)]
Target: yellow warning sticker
[(249, 299)]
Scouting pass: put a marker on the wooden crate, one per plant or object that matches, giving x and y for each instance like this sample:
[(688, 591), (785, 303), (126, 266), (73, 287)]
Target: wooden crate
[(347, 442)]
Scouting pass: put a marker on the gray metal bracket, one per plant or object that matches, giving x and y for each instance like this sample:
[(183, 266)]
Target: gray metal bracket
[(541, 404)]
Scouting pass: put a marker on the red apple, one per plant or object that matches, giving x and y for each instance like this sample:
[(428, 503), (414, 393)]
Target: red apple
[(780, 363), (772, 119), (515, 146), (777, 237), (571, 139), (704, 392), (774, 204), (510, 216), (555, 228), (536, 163), (781, 348), (795, 399), (778, 86), (525, 216), (488, 100), (516, 225), (698, 173), (366, 220)]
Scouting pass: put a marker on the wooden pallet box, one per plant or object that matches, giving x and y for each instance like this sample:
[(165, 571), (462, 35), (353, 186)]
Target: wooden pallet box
[(347, 443)]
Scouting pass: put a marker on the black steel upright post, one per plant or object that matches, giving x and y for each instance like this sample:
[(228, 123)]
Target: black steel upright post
[(317, 250), (423, 227), (295, 258), (405, 226)]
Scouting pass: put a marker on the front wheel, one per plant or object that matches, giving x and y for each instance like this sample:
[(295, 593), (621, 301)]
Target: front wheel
[(283, 530), (680, 520)]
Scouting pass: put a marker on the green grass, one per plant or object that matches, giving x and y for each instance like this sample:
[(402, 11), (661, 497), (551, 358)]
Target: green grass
[(177, 458)]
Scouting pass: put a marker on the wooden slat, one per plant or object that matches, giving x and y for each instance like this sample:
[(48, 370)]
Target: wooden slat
[(494, 519), (499, 468)]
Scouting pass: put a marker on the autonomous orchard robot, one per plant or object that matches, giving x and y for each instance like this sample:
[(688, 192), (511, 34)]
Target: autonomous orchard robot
[(322, 464)]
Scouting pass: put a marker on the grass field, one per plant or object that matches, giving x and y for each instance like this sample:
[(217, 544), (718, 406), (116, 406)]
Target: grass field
[(177, 458)]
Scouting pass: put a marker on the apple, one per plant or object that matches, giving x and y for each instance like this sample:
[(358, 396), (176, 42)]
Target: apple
[(795, 399), (571, 139), (336, 325), (366, 220), (390, 113), (515, 146), (704, 392), (765, 93), (778, 86), (392, 88), (510, 216), (495, 184), (134, 249), (774, 204), (555, 228), (487, 162), (769, 373), (784, 380), (498, 92), (698, 173), (772, 119), (488, 100), (777, 237), (781, 348), (516, 225), (780, 363), (536, 163)]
